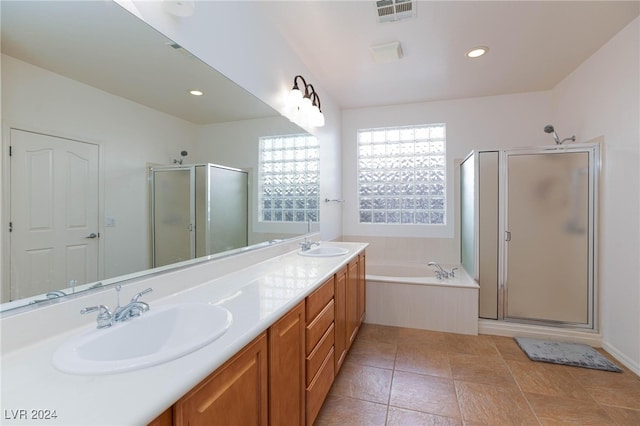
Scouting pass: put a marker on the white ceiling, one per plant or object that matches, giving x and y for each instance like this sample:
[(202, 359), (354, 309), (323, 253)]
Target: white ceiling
[(533, 46)]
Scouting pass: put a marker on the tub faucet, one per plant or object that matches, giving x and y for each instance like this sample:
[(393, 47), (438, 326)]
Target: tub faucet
[(441, 272)]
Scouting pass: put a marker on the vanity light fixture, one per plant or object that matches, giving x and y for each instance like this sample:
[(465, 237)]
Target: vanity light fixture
[(476, 52), (304, 108), (196, 92)]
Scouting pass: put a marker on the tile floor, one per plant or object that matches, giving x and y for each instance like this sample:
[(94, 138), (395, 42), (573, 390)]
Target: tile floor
[(400, 376)]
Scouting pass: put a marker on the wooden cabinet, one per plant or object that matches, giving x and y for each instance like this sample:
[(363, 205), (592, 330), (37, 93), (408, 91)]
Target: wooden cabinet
[(287, 379), (164, 419), (350, 297), (353, 319), (284, 375), (362, 287), (319, 347), (235, 394), (340, 318)]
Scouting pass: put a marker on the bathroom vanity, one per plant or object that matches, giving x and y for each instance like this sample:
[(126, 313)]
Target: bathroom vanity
[(294, 319)]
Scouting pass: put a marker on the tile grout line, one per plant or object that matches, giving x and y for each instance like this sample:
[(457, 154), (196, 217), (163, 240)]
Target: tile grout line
[(520, 389), (393, 373)]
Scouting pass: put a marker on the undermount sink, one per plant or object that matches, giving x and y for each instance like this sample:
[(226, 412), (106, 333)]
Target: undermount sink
[(324, 251), (160, 335)]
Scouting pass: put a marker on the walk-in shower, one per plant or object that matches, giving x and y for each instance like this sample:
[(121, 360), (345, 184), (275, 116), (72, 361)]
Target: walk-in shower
[(528, 233)]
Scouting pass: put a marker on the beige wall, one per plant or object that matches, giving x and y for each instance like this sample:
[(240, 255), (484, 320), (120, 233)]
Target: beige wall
[(601, 99)]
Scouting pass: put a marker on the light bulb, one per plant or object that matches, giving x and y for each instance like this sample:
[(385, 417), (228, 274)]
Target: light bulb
[(305, 105), (295, 97)]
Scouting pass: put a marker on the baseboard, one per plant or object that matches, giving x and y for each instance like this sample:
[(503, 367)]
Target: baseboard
[(510, 329), (622, 358)]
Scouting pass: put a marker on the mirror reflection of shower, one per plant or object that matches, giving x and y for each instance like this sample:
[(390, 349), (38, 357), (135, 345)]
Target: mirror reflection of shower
[(181, 159), (549, 129)]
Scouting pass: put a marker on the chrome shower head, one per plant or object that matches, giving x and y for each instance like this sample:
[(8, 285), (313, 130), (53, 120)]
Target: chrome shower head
[(182, 155), (549, 129)]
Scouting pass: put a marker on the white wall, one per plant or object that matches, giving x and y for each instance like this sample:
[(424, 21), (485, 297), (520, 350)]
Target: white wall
[(133, 135), (476, 123), (602, 98), (235, 39)]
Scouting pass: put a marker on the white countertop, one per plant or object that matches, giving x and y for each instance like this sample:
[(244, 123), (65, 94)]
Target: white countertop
[(257, 296)]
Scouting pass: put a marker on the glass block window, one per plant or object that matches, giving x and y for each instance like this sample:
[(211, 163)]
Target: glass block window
[(402, 175), (289, 179)]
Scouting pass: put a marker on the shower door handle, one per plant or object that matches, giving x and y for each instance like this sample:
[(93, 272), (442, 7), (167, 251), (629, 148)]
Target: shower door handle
[(507, 236)]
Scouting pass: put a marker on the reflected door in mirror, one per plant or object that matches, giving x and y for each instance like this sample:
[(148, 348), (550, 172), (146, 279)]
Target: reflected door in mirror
[(54, 213)]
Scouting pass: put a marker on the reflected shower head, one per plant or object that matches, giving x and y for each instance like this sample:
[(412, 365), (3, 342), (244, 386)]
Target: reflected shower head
[(182, 155), (549, 129)]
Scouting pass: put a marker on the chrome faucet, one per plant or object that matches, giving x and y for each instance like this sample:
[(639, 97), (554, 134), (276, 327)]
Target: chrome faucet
[(133, 309), (105, 318), (55, 294), (442, 273), (307, 244)]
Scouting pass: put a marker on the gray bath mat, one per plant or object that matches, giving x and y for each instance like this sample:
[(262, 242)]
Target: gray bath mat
[(573, 354)]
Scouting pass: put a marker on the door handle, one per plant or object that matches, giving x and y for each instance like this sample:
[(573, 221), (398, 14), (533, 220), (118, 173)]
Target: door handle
[(92, 235)]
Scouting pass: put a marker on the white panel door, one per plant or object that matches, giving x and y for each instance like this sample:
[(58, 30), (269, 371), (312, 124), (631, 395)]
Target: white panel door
[(54, 213)]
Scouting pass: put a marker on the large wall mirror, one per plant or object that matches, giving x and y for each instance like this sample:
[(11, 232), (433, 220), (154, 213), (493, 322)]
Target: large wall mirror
[(90, 86)]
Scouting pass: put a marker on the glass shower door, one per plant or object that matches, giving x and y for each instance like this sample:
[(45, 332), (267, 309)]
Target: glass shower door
[(172, 215), (547, 238)]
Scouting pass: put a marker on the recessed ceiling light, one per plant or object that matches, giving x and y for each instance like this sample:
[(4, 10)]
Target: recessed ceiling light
[(196, 92), (476, 52)]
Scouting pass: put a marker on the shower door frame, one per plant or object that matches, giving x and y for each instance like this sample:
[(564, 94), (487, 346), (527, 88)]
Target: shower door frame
[(594, 166)]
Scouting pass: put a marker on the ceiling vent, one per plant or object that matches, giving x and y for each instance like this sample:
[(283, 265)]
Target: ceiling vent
[(394, 10)]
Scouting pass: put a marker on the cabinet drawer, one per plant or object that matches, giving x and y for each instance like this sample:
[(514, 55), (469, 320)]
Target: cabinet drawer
[(319, 353), (319, 388), (319, 326), (317, 300)]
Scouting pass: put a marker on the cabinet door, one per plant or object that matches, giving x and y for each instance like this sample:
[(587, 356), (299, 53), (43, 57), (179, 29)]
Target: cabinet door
[(362, 288), (287, 358), (352, 303), (164, 419), (340, 318), (235, 394)]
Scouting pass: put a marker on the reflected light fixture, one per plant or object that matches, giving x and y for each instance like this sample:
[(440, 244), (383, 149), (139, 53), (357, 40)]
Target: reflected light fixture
[(196, 92), (476, 52), (304, 108)]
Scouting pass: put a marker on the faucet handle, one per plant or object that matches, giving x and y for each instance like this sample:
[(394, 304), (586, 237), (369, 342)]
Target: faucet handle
[(105, 319), (139, 295)]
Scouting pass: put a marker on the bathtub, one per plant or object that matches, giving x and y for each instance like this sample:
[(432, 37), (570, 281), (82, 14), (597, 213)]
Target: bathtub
[(410, 295)]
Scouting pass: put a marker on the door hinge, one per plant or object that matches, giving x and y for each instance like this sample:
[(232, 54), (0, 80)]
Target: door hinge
[(10, 150), (10, 226)]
